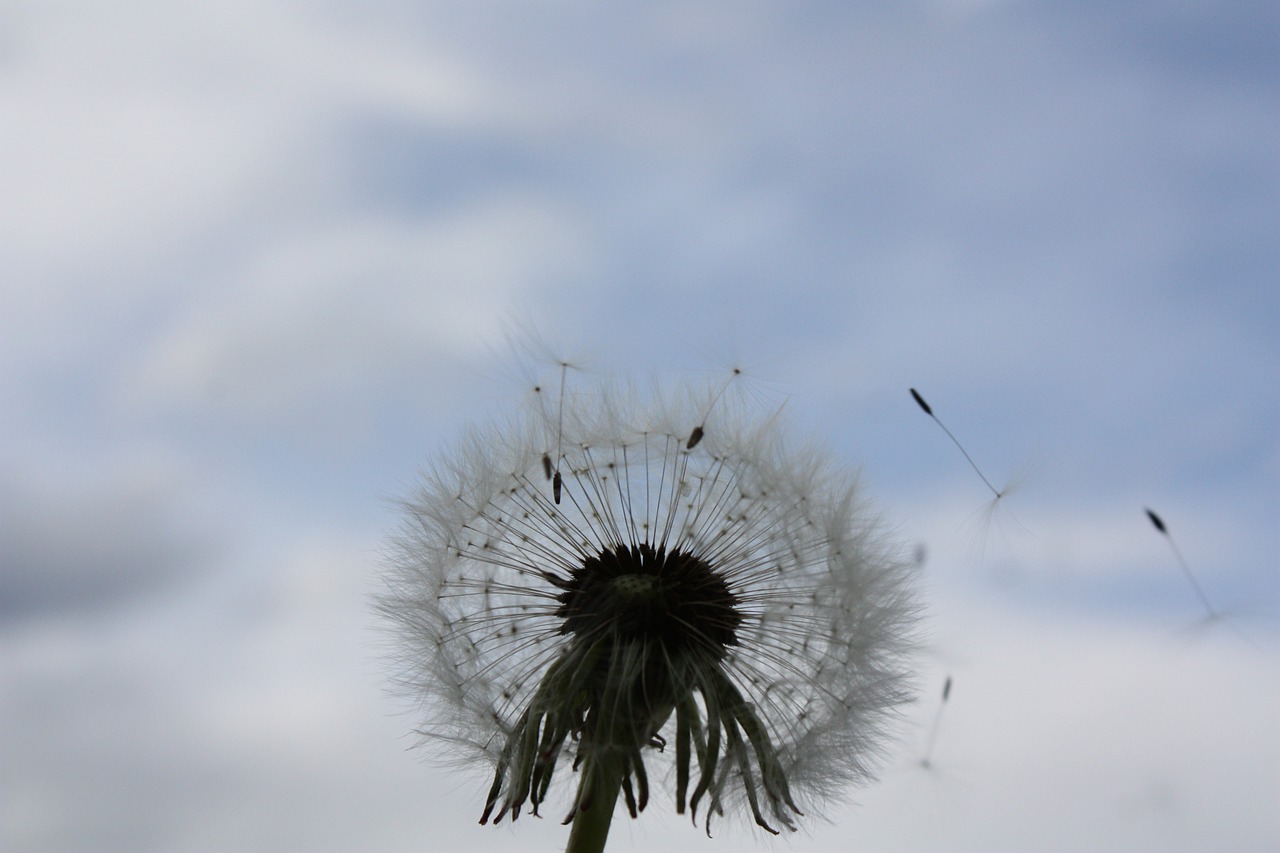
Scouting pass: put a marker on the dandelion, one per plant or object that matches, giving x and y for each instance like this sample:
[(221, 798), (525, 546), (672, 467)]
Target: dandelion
[(699, 604)]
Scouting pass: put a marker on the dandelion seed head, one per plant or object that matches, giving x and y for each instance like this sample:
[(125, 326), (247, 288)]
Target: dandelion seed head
[(724, 613)]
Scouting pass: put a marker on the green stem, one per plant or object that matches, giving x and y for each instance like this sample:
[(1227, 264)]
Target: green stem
[(591, 824)]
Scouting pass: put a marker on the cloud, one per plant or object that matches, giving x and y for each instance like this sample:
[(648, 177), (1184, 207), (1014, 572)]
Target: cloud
[(338, 315), (75, 547), (266, 727), (1078, 732), (229, 226), (146, 136)]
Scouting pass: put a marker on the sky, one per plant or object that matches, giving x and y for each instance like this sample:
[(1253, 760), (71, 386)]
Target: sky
[(261, 261)]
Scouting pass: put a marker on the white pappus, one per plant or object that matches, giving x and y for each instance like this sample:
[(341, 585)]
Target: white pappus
[(695, 601)]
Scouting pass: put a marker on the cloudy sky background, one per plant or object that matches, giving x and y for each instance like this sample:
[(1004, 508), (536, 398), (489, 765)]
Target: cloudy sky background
[(260, 260)]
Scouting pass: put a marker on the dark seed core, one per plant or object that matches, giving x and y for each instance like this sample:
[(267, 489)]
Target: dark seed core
[(672, 599)]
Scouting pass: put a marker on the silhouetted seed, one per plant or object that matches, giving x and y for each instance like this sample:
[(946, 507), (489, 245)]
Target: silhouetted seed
[(927, 761), (928, 411), (700, 430), (921, 554), (549, 469), (1157, 521), (1186, 569)]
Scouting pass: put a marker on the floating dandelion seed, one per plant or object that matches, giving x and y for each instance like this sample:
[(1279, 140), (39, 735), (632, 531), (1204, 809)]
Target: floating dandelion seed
[(915, 395), (927, 761), (1158, 523), (720, 605)]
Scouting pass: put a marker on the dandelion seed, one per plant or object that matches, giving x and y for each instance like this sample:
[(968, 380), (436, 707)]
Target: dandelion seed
[(700, 430), (726, 596), (927, 761), (557, 481), (1158, 522), (929, 411), (1159, 525)]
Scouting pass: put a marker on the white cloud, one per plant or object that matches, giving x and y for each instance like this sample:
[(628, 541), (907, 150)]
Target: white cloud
[(1070, 734), (254, 717), (143, 134), (990, 204), (337, 314)]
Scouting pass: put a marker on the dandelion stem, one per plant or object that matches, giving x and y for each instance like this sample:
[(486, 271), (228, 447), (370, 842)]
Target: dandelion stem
[(597, 796)]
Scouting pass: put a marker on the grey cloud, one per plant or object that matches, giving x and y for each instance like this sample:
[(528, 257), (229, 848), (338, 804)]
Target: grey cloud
[(77, 550)]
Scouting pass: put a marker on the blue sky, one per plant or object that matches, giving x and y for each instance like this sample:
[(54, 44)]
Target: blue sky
[(261, 260)]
